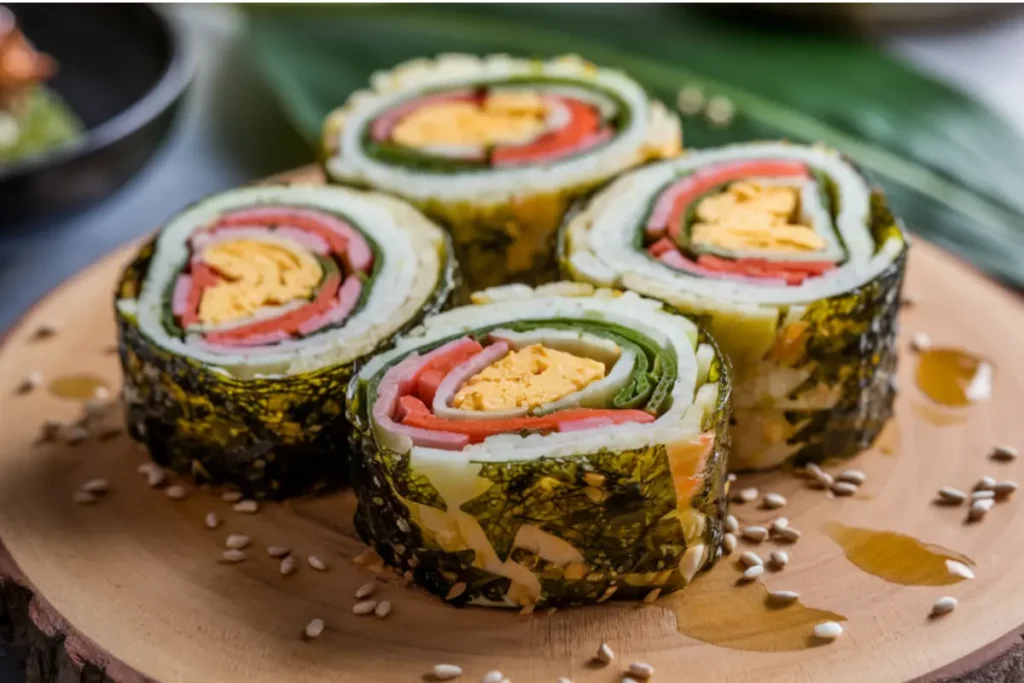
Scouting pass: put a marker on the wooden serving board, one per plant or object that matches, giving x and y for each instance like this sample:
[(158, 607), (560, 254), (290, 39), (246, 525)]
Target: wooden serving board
[(132, 586)]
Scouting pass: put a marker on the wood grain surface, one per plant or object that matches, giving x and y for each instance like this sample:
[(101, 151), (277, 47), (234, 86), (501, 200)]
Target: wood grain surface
[(131, 589)]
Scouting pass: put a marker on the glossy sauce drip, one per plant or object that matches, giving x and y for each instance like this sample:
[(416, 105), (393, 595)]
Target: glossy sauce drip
[(897, 557), (77, 387), (953, 377), (716, 610)]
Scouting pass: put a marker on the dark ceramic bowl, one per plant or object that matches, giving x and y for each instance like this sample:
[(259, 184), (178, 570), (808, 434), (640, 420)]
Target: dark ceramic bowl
[(123, 70)]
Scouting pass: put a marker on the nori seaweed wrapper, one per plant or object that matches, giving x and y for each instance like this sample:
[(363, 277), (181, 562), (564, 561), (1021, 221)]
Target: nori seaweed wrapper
[(566, 529), (271, 437)]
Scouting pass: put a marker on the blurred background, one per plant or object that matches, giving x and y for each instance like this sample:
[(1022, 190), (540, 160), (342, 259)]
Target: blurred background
[(926, 98)]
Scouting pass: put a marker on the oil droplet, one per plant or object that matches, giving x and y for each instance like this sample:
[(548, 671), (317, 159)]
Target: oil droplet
[(954, 377), (937, 416), (715, 609), (77, 387), (888, 440), (897, 557)]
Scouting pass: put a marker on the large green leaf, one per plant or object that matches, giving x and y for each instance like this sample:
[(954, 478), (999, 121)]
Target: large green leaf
[(952, 169)]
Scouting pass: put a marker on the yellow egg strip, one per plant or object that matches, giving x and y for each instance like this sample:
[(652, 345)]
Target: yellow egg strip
[(530, 377), (503, 118), (255, 274)]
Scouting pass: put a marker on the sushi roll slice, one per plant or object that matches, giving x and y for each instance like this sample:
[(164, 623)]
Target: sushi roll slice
[(794, 264), (241, 323), (496, 149), (556, 446)]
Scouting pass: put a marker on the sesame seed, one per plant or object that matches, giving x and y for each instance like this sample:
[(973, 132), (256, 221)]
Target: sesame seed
[(231, 496), (979, 509), (720, 111), (101, 394), (828, 630), (492, 677), (212, 520), (951, 495), (751, 573), (779, 558), (233, 555), (1004, 488), (563, 679), (30, 382), (96, 408), (783, 597), (96, 486), (820, 477), (74, 434), (314, 628), (237, 541), (1003, 453), (780, 524), (364, 607), (852, 476), (641, 670), (755, 534), (959, 569), (788, 533), (156, 476), (729, 543), (983, 494), (456, 590), (844, 488), (288, 566), (732, 525), (748, 495), (985, 483), (750, 559), (731, 477), (692, 560), (247, 507), (773, 501), (383, 609), (605, 654), (446, 672), (83, 497), (628, 679), (175, 492), (943, 605), (316, 563), (278, 551), (365, 590), (690, 100), (920, 341)]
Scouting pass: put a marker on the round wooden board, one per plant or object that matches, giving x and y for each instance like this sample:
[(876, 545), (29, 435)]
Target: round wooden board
[(132, 584)]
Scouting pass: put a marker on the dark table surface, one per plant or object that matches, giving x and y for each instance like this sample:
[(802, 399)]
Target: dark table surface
[(231, 132)]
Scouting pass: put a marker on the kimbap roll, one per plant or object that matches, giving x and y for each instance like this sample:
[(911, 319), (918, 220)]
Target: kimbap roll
[(242, 321), (496, 148), (794, 265), (555, 446)]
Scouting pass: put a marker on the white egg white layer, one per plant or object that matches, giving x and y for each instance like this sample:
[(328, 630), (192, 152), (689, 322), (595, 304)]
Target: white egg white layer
[(651, 127), (413, 250), (599, 241)]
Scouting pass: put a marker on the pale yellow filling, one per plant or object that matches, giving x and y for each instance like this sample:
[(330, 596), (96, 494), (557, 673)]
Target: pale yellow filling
[(503, 118)]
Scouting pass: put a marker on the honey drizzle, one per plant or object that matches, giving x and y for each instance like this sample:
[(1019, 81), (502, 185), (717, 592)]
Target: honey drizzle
[(77, 387), (896, 557)]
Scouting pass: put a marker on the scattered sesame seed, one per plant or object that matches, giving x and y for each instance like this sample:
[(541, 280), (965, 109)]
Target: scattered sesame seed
[(492, 677), (316, 563), (175, 492), (751, 573), (959, 569), (288, 566), (943, 605), (690, 100), (641, 670), (732, 525), (74, 434), (365, 590), (979, 509), (456, 590), (101, 394), (985, 483), (364, 607), (755, 534), (96, 486), (779, 558), (720, 111), (83, 497), (31, 381), (383, 609), (231, 496), (628, 679), (780, 524), (96, 408), (278, 551), (237, 541), (951, 495), (773, 501), (852, 476), (820, 477), (446, 672), (1003, 453), (844, 488), (920, 341), (788, 533), (212, 520), (563, 679), (783, 597), (247, 507), (314, 628), (750, 559), (731, 477), (983, 494), (828, 630), (605, 654), (1004, 488), (729, 543), (233, 555), (156, 476), (748, 495)]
